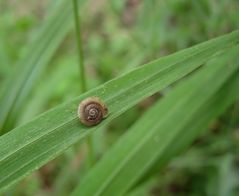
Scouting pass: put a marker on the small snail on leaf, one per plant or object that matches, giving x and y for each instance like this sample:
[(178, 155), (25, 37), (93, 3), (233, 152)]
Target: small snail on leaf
[(92, 111)]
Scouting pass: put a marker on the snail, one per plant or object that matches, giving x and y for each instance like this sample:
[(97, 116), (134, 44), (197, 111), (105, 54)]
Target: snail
[(92, 111)]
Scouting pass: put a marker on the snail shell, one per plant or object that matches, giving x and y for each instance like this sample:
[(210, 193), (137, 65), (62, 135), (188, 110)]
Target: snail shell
[(92, 111)]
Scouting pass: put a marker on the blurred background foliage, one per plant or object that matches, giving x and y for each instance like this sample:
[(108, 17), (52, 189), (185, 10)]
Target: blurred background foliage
[(117, 36)]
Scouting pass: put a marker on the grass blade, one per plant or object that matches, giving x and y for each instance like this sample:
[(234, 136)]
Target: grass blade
[(30, 146)]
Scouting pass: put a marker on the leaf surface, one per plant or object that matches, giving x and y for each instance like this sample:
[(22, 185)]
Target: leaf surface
[(30, 146)]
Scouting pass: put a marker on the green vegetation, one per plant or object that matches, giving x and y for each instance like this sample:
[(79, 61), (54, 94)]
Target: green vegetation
[(168, 72)]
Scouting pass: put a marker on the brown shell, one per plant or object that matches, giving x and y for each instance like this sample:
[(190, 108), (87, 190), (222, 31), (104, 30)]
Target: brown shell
[(91, 111)]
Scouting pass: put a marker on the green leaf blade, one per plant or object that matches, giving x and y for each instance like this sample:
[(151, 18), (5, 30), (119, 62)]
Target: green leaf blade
[(45, 137)]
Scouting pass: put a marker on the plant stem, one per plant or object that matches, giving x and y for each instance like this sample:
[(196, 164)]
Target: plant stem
[(82, 73), (79, 46)]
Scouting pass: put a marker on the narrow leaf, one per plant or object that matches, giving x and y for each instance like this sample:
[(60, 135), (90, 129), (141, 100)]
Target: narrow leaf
[(30, 146)]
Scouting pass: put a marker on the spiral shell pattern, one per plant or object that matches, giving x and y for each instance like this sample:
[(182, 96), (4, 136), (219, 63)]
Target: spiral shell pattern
[(92, 111)]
